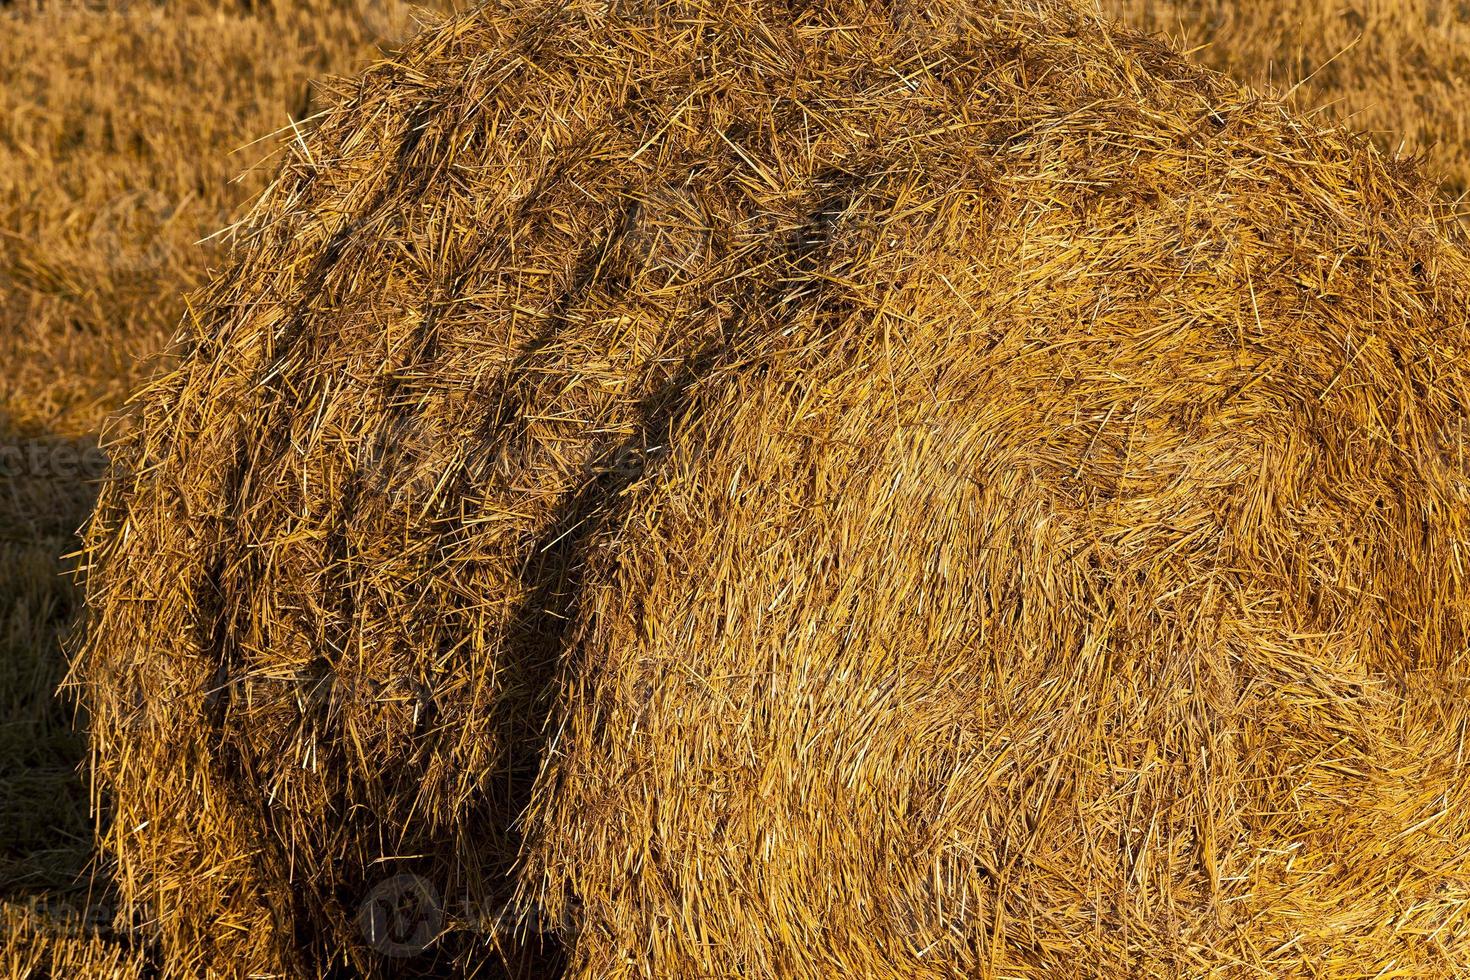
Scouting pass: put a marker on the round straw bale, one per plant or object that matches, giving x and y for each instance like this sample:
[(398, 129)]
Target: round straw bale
[(787, 489)]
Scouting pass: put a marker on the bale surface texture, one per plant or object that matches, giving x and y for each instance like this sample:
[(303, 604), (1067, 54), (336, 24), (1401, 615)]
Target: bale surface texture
[(797, 490)]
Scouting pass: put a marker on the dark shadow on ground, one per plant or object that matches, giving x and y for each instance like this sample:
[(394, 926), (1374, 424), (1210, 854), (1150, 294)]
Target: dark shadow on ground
[(47, 487)]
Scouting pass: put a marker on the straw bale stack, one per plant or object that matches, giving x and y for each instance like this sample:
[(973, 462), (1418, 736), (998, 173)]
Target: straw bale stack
[(800, 489)]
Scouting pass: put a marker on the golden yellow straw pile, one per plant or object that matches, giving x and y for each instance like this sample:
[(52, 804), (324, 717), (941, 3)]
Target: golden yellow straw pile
[(763, 488), (117, 124)]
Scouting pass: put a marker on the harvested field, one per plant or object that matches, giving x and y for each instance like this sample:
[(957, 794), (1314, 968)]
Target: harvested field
[(40, 944), (123, 137), (801, 490), (1397, 69)]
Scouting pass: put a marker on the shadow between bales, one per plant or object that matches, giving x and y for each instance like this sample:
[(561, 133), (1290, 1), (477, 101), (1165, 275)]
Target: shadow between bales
[(552, 577)]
